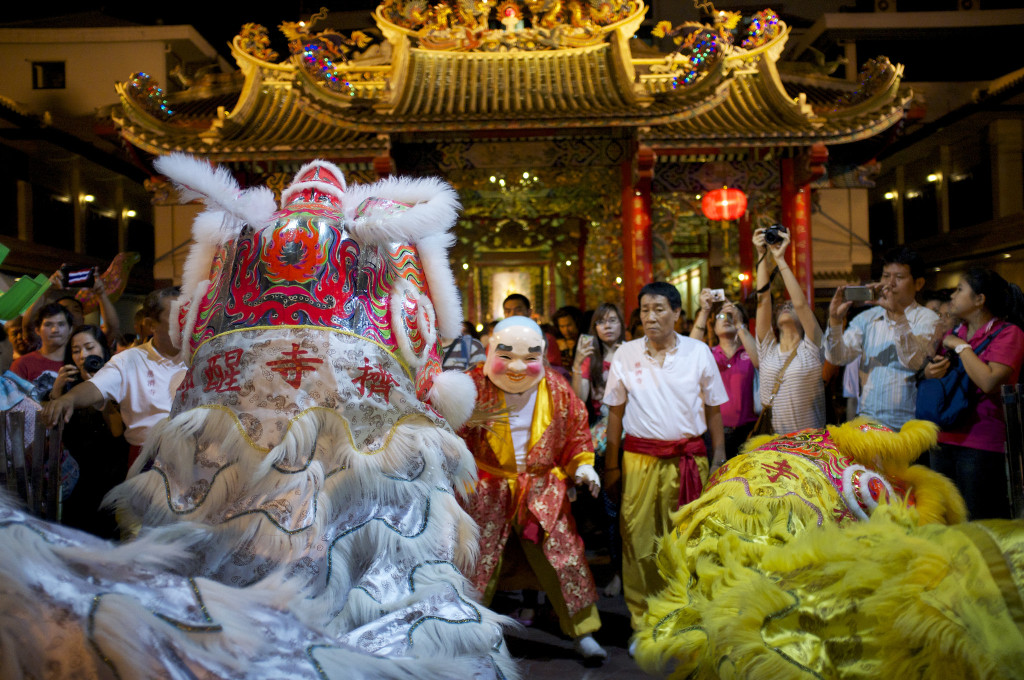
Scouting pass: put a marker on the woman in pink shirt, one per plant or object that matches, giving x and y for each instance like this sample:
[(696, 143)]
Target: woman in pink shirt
[(971, 451), (735, 353)]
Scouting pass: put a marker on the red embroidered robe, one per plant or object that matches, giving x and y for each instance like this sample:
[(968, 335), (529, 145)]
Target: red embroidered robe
[(559, 443)]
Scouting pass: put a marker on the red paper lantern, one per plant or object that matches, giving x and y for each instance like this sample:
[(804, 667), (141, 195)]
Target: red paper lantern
[(724, 204)]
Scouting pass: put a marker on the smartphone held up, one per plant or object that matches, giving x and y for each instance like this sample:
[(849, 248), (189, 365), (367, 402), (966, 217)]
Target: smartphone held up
[(858, 294)]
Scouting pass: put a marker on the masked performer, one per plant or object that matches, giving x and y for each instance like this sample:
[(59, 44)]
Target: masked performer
[(824, 554), (297, 512), (524, 459)]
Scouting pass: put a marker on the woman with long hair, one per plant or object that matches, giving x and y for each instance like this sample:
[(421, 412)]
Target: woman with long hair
[(594, 356), (971, 450), (735, 352), (92, 437), (791, 361)]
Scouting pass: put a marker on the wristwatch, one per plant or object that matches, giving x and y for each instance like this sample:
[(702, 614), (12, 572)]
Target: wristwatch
[(960, 348)]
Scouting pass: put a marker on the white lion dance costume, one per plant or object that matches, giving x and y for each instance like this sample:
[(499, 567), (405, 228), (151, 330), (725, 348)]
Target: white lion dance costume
[(297, 514)]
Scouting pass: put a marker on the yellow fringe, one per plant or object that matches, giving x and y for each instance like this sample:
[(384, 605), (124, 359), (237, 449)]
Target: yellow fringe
[(756, 442), (936, 497), (720, 537), (884, 598), (885, 449)]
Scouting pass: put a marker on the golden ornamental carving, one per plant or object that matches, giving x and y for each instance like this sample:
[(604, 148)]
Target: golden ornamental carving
[(490, 26), (254, 41), (701, 48)]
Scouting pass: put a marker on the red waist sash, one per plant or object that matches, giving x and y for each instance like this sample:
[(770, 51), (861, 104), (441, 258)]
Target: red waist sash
[(687, 449)]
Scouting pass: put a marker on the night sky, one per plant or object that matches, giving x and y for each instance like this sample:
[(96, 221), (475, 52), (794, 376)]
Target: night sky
[(219, 25), (925, 59)]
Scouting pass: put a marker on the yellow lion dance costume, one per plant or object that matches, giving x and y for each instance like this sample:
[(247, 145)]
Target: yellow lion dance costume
[(825, 554)]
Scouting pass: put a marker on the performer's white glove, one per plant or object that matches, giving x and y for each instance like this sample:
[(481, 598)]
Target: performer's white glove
[(586, 474)]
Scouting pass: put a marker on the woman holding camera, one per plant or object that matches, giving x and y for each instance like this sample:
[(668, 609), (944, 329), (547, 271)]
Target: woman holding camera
[(971, 450), (790, 363), (735, 352), (92, 437)]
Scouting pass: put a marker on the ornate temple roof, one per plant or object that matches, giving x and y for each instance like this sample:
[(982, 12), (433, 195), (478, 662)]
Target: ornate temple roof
[(465, 67)]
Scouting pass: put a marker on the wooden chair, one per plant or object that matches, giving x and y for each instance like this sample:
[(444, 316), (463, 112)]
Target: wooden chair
[(1013, 410), (33, 475)]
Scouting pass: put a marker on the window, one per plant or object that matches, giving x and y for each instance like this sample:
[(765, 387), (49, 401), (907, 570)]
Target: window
[(47, 75)]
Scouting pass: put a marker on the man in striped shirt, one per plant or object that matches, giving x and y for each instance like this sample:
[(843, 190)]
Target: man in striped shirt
[(892, 340)]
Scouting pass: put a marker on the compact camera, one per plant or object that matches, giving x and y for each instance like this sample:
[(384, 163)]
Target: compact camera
[(773, 234)]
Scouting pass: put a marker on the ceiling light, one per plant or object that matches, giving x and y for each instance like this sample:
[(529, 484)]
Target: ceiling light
[(890, 195), (130, 213), (934, 177), (88, 198), (568, 263), (618, 279), (465, 265)]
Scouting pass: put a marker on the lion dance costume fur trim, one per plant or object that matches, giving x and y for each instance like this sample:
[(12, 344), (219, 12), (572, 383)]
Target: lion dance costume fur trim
[(297, 513), (825, 554)]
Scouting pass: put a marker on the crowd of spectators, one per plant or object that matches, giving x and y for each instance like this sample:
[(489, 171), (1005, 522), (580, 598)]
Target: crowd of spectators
[(671, 399), (668, 399), (105, 388)]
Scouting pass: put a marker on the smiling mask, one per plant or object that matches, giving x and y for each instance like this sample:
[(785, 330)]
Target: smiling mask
[(515, 357)]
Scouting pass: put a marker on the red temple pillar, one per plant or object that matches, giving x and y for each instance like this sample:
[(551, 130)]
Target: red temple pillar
[(383, 165), (796, 217)]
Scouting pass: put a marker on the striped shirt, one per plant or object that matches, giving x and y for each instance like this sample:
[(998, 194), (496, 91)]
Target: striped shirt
[(800, 401), (890, 353)]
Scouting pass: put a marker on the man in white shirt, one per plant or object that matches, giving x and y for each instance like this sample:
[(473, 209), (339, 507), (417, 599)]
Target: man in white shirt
[(141, 380), (664, 390), (892, 341)]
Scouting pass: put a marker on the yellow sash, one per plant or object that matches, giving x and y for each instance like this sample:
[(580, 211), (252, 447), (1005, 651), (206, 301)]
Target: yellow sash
[(500, 438)]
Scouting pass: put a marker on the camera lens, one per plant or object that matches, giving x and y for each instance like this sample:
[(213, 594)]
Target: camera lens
[(92, 363)]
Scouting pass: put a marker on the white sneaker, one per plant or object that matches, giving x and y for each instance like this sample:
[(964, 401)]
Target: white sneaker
[(588, 648), (632, 648)]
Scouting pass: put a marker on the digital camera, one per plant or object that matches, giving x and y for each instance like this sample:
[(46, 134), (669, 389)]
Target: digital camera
[(773, 234), (92, 364)]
